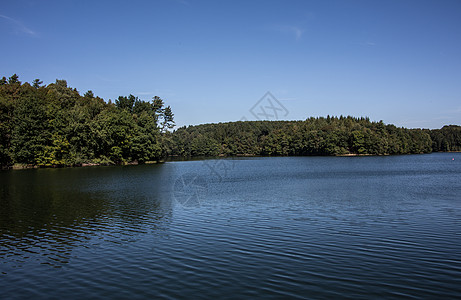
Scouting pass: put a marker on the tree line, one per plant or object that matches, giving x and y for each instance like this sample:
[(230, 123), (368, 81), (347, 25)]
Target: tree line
[(54, 125), (314, 136)]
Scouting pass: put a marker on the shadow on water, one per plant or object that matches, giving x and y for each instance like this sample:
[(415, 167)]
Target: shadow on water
[(45, 213)]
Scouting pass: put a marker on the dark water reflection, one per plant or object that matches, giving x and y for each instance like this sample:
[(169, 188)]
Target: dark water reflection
[(46, 213), (302, 227)]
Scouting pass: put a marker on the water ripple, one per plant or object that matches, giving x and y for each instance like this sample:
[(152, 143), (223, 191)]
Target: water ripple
[(274, 228)]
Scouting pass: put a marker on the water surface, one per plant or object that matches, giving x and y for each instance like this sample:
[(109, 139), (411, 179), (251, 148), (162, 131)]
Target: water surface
[(318, 227)]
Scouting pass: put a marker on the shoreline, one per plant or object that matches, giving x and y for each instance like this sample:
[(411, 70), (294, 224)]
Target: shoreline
[(195, 158), (82, 165)]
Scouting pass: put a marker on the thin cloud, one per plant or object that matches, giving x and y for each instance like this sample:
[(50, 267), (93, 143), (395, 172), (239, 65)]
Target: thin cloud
[(295, 31), (369, 44), (19, 26)]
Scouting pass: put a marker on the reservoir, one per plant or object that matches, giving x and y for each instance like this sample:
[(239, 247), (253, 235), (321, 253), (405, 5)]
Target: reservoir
[(272, 227)]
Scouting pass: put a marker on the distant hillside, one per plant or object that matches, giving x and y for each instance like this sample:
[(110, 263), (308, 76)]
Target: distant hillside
[(314, 136)]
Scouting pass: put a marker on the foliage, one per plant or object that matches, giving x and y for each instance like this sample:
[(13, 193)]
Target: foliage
[(55, 126), (314, 136), (448, 138)]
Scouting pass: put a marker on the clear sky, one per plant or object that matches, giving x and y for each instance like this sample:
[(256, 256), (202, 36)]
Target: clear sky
[(396, 61)]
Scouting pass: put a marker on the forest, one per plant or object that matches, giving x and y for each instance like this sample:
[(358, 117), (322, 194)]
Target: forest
[(53, 125), (314, 136)]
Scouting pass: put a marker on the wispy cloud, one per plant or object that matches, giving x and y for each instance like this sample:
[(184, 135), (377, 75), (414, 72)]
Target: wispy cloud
[(295, 31), (19, 26), (367, 44)]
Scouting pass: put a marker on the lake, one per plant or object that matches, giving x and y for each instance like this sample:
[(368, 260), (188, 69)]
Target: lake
[(280, 227)]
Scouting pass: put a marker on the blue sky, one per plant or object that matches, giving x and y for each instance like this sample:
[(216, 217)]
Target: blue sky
[(396, 61)]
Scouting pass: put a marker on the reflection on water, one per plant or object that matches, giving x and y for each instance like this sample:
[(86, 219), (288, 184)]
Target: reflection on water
[(46, 213), (289, 227)]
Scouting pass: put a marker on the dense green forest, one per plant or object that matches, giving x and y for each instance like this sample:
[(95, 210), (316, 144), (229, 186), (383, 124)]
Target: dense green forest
[(54, 125), (314, 136), (446, 139)]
